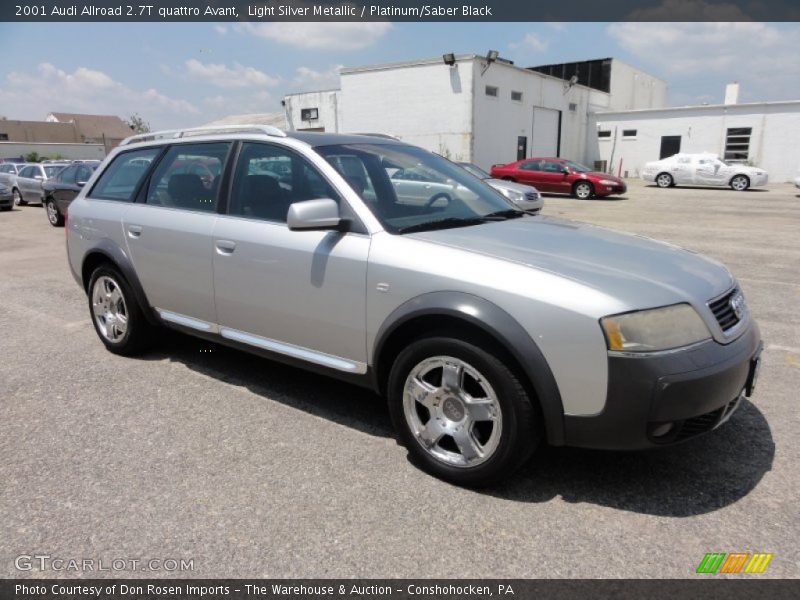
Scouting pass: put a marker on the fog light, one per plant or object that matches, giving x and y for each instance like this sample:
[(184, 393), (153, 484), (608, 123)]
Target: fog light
[(662, 429)]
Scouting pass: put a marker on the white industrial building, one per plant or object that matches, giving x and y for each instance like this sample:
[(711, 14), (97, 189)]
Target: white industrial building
[(765, 134), (603, 112)]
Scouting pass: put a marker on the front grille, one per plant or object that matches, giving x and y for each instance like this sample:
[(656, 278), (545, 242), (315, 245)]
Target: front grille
[(707, 422), (531, 196), (723, 311)]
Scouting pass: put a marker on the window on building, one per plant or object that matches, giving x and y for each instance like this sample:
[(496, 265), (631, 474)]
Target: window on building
[(573, 107), (4, 137), (492, 91), (629, 134), (604, 134), (737, 143), (516, 96), (309, 114)]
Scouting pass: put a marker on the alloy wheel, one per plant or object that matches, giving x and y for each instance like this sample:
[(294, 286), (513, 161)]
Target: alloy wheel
[(52, 212), (452, 411), (664, 181), (739, 183), (109, 309), (583, 191)]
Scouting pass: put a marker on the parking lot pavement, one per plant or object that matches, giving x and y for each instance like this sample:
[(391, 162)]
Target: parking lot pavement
[(254, 469)]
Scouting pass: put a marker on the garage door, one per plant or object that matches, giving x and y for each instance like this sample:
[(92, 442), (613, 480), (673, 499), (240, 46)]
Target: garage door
[(546, 123)]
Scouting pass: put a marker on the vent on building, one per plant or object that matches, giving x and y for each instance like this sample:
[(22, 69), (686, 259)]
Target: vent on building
[(309, 114), (604, 134), (492, 91), (600, 166), (573, 107), (629, 133), (516, 96), (737, 143)]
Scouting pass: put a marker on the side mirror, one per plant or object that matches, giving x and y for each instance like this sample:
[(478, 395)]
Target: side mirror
[(80, 183), (312, 215), (38, 178), (565, 170)]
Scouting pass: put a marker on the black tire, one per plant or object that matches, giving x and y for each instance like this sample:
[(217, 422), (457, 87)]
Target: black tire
[(18, 199), (139, 333), (521, 426), (55, 218), (665, 180), (8, 208), (740, 183), (577, 190)]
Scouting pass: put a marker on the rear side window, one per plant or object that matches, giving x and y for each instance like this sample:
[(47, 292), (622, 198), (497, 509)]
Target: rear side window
[(28, 172), (68, 174), (531, 165), (188, 177), (122, 176)]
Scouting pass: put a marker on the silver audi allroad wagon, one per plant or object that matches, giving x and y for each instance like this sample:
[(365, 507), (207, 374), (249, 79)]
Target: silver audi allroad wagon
[(488, 330)]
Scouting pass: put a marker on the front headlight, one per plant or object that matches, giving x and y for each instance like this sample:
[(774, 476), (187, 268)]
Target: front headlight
[(607, 182), (656, 329), (513, 195)]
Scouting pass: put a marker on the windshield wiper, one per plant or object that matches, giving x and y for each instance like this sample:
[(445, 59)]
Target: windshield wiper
[(500, 215), (441, 224)]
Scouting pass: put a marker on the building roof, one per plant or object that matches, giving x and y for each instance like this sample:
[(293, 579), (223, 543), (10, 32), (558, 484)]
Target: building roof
[(95, 126)]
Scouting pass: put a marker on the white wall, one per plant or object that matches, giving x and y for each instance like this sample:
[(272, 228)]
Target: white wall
[(773, 143), (427, 104), (326, 102), (634, 89), (499, 121), (53, 150)]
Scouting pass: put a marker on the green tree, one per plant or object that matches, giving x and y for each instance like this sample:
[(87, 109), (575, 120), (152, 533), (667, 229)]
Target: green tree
[(138, 124), (32, 157)]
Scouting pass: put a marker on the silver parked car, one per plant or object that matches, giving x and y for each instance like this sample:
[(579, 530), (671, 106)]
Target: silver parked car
[(525, 197), (30, 179), (8, 177), (488, 330)]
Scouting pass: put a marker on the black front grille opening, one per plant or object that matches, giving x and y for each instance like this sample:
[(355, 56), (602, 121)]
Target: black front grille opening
[(725, 315), (676, 431)]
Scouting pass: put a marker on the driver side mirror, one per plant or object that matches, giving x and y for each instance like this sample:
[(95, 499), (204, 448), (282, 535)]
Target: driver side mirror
[(80, 183), (565, 170), (314, 215)]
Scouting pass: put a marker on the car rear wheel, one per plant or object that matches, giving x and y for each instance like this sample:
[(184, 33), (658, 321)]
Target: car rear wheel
[(664, 180), (462, 414), (740, 183), (56, 218), (117, 317), (18, 199), (583, 190)]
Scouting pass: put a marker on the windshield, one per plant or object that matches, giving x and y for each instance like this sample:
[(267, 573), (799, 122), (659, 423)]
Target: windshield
[(410, 189), (477, 171), (577, 167)]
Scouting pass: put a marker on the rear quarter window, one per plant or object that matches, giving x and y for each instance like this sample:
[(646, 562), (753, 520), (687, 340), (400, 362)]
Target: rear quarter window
[(121, 178)]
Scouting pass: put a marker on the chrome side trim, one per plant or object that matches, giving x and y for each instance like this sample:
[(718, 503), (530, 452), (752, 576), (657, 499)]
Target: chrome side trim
[(186, 321), (312, 356)]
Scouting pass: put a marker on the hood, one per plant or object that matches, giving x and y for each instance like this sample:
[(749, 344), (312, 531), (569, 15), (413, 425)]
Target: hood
[(510, 185), (638, 271)]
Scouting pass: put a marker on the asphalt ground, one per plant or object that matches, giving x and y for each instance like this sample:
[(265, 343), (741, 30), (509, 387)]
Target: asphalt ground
[(252, 469)]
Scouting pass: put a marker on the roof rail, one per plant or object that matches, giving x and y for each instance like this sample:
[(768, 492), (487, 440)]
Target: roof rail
[(208, 130)]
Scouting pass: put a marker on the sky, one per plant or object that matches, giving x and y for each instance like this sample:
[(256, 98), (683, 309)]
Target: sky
[(186, 74)]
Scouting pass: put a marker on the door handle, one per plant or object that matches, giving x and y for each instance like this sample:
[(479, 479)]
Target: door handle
[(134, 231), (225, 247)]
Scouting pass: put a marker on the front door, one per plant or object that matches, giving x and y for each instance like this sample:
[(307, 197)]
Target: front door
[(297, 293), (670, 146), (553, 177), (169, 234)]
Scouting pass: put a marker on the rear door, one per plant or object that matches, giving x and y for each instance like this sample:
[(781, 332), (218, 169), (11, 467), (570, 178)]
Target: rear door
[(26, 183), (298, 293), (66, 188), (169, 233), (529, 172)]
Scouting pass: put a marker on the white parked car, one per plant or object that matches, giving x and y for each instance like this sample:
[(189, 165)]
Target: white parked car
[(703, 169)]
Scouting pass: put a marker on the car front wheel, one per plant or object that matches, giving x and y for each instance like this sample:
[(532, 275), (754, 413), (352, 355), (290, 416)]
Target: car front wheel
[(18, 199), (664, 180), (462, 414), (740, 183), (56, 218), (583, 190)]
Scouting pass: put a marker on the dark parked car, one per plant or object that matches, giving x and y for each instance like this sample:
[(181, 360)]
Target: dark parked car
[(561, 176), (61, 190)]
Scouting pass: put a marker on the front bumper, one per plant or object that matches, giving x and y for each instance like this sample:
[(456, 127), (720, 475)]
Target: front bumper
[(6, 198), (610, 190), (670, 397)]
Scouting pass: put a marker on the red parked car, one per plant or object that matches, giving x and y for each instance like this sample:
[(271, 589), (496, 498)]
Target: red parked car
[(560, 176)]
